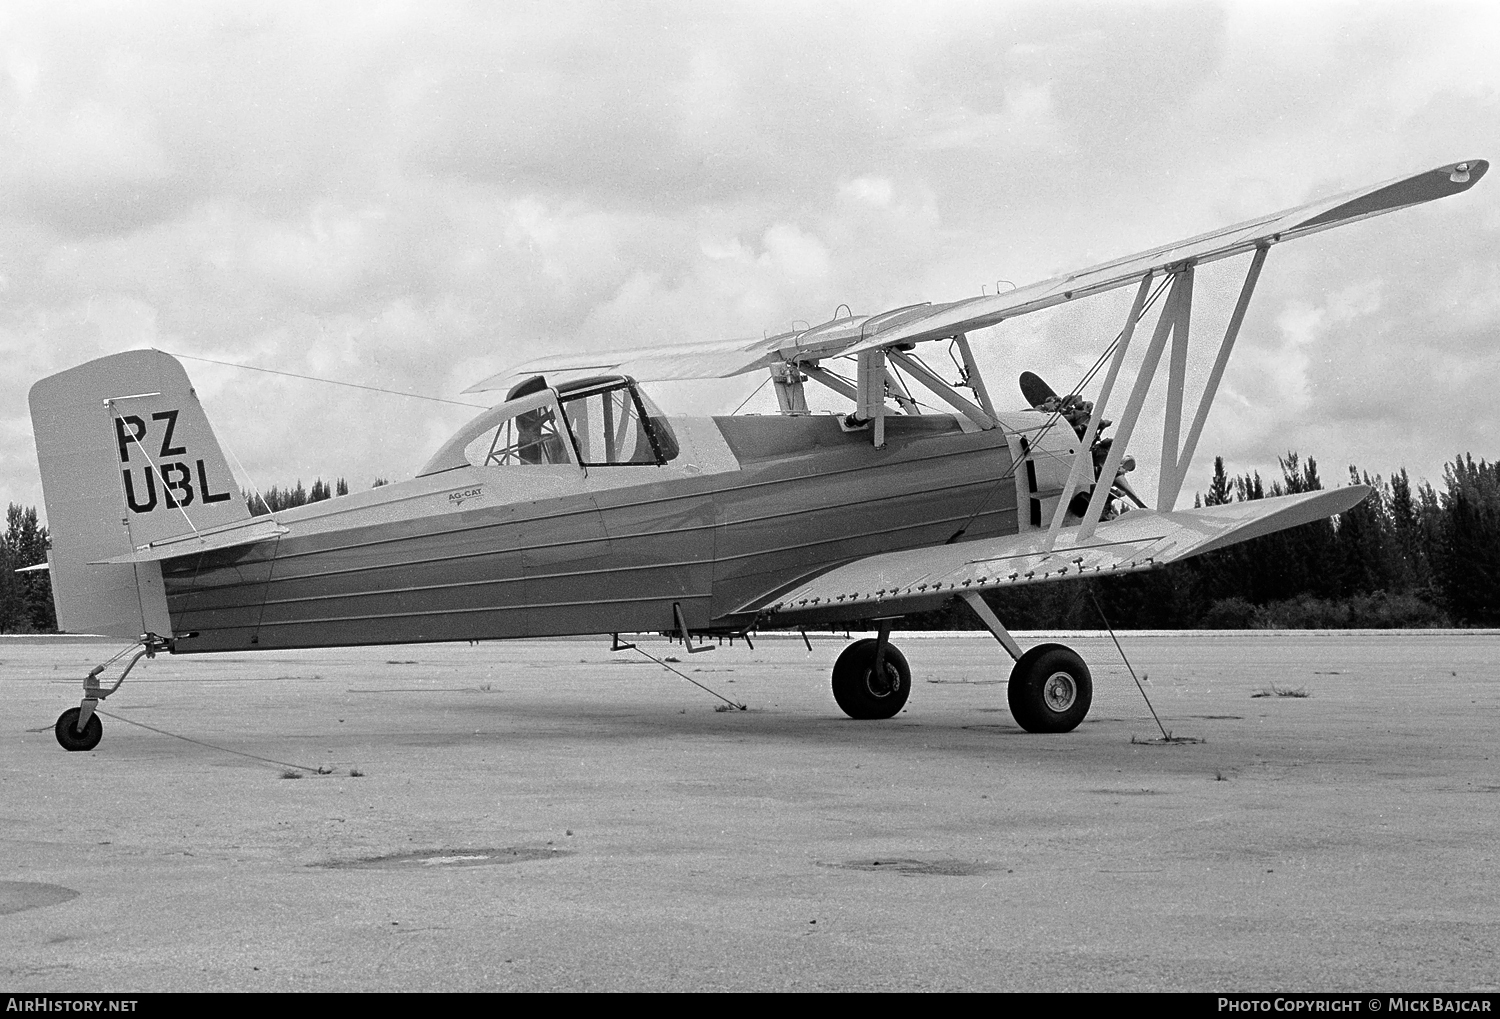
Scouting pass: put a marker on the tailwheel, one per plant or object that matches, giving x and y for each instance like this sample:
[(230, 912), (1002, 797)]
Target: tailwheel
[(861, 690), (1050, 689), (70, 737)]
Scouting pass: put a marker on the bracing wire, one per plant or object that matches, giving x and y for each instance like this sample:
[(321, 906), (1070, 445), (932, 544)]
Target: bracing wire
[(255, 488), (211, 746), (331, 382), (732, 703), (167, 498), (906, 388), (1165, 734), (963, 373), (1056, 415), (747, 399)]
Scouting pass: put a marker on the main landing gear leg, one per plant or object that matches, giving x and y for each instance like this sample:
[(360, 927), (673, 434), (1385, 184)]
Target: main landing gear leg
[(871, 678), (80, 728), (1050, 686)]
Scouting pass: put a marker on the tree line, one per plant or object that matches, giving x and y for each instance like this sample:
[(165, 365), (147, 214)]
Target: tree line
[(1408, 556), (25, 598), (274, 500)]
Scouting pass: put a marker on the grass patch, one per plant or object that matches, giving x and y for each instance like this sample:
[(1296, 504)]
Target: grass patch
[(1282, 691)]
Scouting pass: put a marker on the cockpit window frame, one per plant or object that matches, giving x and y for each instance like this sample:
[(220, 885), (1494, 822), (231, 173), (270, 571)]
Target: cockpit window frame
[(583, 389), (451, 455)]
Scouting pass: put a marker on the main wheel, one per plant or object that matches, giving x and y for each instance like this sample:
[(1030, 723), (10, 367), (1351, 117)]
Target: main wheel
[(863, 694), (68, 736), (1050, 689)]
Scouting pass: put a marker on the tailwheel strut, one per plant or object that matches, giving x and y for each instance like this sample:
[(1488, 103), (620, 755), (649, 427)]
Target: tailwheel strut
[(79, 728)]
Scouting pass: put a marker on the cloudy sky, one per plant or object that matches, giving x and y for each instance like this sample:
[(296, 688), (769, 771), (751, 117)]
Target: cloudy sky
[(415, 195)]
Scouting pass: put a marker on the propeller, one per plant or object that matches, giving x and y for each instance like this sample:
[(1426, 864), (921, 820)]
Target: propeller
[(1076, 411), (1035, 390)]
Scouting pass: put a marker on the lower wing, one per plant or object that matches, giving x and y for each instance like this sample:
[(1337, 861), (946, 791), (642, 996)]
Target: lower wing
[(896, 583)]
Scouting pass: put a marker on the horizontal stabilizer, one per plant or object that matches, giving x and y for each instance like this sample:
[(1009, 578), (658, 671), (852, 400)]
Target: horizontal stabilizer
[(919, 323), (895, 583), (248, 533)]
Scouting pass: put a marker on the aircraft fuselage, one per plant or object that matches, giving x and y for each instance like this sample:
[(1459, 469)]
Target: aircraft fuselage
[(499, 552)]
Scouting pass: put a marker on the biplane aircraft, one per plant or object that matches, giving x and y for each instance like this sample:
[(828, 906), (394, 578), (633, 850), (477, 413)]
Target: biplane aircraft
[(574, 506)]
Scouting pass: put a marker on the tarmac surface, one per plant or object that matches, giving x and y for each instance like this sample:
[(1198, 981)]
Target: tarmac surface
[(548, 815)]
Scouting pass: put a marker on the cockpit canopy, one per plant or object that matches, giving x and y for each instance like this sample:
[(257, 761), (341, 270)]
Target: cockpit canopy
[(604, 421)]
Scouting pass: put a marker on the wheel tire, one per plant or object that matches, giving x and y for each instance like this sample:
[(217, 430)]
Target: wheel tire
[(1050, 689), (854, 683), (68, 736)]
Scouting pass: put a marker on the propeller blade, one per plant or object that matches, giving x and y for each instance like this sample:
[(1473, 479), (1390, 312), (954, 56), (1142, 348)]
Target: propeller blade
[(1034, 391)]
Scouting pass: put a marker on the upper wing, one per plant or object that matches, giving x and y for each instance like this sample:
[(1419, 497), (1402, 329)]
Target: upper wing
[(652, 364), (917, 323), (896, 583), (1349, 207)]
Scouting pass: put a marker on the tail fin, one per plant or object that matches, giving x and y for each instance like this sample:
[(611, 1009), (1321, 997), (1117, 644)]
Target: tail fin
[(127, 458)]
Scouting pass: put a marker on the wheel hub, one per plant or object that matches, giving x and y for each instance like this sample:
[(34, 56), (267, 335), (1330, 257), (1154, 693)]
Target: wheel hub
[(1059, 692), (882, 686)]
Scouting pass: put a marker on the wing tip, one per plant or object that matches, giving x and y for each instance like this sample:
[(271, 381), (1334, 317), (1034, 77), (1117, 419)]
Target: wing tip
[(1466, 172)]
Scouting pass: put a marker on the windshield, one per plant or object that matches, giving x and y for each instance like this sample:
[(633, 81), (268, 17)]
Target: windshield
[(613, 425), (607, 427)]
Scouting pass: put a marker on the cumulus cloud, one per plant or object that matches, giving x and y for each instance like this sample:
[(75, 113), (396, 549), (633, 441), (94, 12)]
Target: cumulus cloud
[(1025, 120)]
